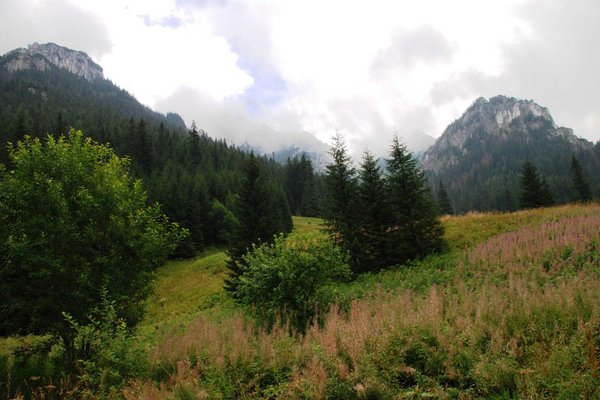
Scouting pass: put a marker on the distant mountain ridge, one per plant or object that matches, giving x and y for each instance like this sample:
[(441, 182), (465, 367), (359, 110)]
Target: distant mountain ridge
[(52, 77), (46, 89), (42, 57), (479, 156)]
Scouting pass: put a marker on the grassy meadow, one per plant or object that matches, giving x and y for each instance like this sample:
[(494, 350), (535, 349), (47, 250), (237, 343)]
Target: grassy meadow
[(510, 311)]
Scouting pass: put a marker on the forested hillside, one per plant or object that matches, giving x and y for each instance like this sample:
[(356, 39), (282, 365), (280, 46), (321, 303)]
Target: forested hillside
[(194, 177), (479, 158)]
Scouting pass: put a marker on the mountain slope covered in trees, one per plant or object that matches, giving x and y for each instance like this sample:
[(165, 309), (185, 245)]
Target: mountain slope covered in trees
[(480, 156), (46, 89)]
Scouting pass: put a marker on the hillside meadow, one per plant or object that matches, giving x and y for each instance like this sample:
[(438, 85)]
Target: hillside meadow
[(510, 311)]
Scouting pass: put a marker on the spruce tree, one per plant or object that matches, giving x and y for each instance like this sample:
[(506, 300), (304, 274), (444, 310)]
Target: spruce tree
[(309, 206), (414, 229), (142, 150), (535, 191), (261, 212), (373, 216), (444, 204), (300, 186), (547, 198), (340, 199), (581, 186), (194, 145)]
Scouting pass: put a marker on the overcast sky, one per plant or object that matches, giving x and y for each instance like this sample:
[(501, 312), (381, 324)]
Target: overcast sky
[(270, 71)]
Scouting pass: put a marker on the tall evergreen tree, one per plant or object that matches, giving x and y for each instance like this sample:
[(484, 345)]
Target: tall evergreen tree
[(60, 126), (260, 215), (414, 229), (444, 204), (194, 143), (142, 148), (340, 199), (373, 216), (581, 186), (547, 195), (535, 192)]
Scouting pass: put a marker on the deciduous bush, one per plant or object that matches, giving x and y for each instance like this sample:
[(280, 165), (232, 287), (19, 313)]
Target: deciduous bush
[(292, 280), (72, 222)]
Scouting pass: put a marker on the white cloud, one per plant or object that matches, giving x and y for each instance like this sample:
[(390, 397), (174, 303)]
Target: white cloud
[(368, 69), (23, 22)]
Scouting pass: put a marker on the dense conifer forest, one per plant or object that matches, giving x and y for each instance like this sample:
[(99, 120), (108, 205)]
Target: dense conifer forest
[(195, 178)]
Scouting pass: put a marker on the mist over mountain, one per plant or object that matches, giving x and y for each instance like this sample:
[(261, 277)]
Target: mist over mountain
[(480, 155)]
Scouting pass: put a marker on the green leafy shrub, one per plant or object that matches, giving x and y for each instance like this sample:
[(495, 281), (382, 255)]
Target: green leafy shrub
[(108, 356), (72, 221), (292, 281)]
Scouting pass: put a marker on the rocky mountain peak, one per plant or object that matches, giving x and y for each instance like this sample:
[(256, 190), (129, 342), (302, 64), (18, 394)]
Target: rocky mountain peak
[(42, 57), (500, 118), (504, 110), (480, 155)]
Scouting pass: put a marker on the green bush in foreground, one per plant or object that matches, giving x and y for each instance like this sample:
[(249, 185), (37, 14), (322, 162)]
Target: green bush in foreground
[(74, 227), (292, 281)]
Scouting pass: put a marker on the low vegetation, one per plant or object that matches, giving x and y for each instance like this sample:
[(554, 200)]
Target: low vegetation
[(510, 312)]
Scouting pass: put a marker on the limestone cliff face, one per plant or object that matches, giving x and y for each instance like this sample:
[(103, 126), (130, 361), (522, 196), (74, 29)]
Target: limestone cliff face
[(479, 156), (42, 57), (499, 118)]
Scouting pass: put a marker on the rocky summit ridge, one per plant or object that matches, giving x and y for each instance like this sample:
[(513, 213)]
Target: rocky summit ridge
[(43, 57), (479, 157), (501, 118)]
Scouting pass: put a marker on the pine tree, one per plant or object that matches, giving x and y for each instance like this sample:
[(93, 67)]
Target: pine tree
[(340, 199), (414, 229), (581, 186), (547, 198), (300, 186), (60, 126), (194, 143), (142, 150), (309, 206), (444, 204), (260, 215), (373, 216), (535, 191)]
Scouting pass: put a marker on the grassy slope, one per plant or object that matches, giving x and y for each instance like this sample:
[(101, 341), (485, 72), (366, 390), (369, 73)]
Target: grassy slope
[(188, 289), (512, 311)]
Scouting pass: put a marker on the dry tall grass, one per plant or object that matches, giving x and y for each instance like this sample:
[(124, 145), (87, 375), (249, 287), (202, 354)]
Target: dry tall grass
[(520, 318)]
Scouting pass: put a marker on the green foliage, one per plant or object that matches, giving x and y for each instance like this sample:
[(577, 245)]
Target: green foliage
[(223, 221), (72, 221), (261, 212), (339, 209), (444, 205), (414, 229), (381, 221), (301, 186), (184, 170), (107, 355), (373, 215), (292, 281), (446, 326), (581, 186), (534, 189)]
